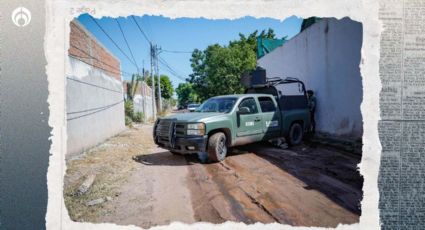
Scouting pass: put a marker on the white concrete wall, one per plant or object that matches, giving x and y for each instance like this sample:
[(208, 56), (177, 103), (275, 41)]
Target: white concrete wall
[(138, 101), (95, 107), (326, 56), (138, 105)]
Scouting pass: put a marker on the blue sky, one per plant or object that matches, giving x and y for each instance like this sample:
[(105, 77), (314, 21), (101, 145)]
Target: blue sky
[(182, 34)]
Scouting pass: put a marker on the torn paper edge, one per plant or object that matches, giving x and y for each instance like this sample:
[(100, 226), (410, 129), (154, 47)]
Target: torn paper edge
[(58, 16)]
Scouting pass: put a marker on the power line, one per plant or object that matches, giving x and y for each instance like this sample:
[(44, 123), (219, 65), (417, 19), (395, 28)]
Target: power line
[(140, 29), (128, 46), (92, 109), (167, 65), (175, 75), (151, 57), (100, 110), (90, 84), (162, 61), (112, 40), (98, 67), (138, 69), (92, 57), (150, 28), (170, 69)]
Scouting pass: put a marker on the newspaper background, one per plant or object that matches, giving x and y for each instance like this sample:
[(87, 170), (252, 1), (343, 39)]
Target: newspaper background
[(61, 12), (402, 68)]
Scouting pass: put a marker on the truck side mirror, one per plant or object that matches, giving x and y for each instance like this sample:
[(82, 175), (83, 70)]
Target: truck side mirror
[(244, 110)]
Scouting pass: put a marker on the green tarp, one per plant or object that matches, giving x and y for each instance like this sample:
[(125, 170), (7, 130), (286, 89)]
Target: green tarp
[(265, 45)]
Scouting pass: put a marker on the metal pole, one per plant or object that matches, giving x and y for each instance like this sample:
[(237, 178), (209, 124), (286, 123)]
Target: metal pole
[(159, 80), (153, 84)]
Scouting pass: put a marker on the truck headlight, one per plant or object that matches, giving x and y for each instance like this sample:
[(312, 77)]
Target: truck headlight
[(195, 129), (196, 126), (195, 132)]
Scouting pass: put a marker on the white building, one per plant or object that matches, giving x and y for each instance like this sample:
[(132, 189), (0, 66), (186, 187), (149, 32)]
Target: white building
[(326, 57)]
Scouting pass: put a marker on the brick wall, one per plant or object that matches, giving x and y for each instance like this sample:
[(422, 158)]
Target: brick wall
[(85, 47), (94, 92)]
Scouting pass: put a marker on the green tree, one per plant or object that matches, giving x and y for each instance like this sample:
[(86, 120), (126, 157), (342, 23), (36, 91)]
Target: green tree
[(167, 89), (217, 69), (186, 94)]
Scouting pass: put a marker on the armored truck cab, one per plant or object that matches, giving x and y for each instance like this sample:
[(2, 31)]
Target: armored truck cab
[(264, 112)]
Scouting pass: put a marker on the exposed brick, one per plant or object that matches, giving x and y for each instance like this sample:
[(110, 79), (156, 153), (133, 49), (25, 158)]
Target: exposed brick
[(84, 47)]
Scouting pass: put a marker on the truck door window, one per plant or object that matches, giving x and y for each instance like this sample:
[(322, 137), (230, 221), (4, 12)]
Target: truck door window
[(266, 104), (250, 104)]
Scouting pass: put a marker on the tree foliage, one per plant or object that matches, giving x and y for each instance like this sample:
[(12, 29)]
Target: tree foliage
[(217, 69), (167, 89), (186, 94)]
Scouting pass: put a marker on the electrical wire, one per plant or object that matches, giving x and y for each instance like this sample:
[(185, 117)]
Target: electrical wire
[(92, 57), (92, 109), (170, 69), (128, 46), (100, 110), (140, 29), (90, 84), (112, 40), (161, 60)]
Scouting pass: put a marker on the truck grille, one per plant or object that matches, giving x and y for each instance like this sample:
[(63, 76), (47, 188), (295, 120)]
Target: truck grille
[(180, 129), (165, 128)]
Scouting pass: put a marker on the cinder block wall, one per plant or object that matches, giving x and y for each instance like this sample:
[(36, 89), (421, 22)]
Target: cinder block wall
[(94, 92), (144, 104), (326, 56)]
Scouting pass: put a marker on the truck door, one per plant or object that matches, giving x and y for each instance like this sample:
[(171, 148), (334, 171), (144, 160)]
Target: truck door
[(270, 116), (249, 120), (293, 104)]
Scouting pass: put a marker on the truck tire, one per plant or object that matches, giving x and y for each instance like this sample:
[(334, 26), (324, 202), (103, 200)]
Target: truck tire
[(295, 135), (217, 148)]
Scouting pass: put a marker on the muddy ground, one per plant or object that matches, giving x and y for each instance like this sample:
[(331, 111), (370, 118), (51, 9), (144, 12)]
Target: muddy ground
[(308, 185)]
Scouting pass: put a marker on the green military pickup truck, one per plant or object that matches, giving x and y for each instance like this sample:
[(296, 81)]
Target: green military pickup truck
[(263, 113)]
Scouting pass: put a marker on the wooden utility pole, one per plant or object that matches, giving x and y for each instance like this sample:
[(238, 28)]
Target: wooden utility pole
[(159, 79), (153, 82), (144, 92)]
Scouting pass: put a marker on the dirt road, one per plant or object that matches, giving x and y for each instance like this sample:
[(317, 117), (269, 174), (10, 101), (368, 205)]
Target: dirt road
[(303, 186)]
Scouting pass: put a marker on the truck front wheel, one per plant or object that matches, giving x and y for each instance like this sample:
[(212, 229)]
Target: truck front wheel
[(295, 135), (217, 148)]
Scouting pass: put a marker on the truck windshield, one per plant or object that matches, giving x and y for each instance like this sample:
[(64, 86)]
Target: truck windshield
[(220, 105)]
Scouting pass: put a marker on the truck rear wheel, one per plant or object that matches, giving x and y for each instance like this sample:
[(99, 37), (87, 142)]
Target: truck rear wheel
[(295, 135), (217, 148)]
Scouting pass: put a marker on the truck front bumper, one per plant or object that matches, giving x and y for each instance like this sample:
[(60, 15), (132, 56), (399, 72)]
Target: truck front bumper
[(184, 145)]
